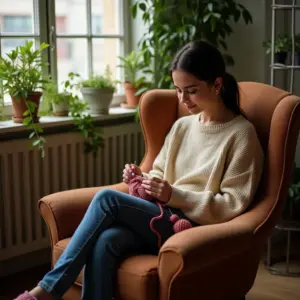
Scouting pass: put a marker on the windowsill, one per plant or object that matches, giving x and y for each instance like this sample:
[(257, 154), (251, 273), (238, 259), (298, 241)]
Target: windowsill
[(53, 123)]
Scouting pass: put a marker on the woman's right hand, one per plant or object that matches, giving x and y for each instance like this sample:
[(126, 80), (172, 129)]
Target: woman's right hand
[(130, 171)]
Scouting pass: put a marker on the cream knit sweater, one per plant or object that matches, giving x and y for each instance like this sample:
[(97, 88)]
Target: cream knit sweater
[(214, 169)]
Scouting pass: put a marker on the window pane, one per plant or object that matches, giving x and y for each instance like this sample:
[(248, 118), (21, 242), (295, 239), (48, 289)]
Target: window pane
[(71, 57), (105, 17), (16, 16), (8, 44), (105, 52), (71, 17)]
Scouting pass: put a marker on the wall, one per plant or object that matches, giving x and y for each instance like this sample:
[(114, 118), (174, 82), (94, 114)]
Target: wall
[(245, 44)]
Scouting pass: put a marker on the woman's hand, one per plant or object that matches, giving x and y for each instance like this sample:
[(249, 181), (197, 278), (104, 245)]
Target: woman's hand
[(158, 188), (130, 171)]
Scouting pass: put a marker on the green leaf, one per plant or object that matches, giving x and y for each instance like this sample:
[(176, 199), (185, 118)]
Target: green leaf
[(27, 120), (32, 134), (142, 6), (217, 15), (206, 18), (36, 142), (31, 106), (134, 10), (210, 7), (26, 113)]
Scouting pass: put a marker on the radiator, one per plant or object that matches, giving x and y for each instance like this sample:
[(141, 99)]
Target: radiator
[(25, 178)]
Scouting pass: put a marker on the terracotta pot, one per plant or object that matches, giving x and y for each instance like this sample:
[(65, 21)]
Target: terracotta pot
[(131, 99), (19, 107)]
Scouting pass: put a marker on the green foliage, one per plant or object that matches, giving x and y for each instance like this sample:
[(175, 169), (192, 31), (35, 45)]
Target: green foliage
[(22, 73), (171, 24), (297, 42), (282, 44), (53, 96), (100, 81), (83, 121), (133, 64)]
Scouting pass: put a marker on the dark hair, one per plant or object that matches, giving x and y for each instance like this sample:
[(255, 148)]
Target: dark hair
[(205, 62)]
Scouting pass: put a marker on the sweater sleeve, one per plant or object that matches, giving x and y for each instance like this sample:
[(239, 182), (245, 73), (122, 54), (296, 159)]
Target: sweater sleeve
[(238, 185)]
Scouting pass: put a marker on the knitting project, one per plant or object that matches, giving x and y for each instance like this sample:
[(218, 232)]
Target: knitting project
[(136, 189)]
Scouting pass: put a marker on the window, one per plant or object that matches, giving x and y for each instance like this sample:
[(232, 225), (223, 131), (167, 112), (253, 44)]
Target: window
[(84, 35)]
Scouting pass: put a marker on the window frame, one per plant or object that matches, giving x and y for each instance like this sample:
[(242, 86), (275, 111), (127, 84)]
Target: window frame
[(45, 10)]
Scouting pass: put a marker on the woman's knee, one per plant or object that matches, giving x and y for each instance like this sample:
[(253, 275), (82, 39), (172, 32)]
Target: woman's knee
[(117, 240), (104, 195)]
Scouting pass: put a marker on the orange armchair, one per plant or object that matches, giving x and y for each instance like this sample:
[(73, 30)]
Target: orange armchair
[(210, 262)]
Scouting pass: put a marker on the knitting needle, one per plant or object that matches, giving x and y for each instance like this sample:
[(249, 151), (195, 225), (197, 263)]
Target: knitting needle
[(132, 174)]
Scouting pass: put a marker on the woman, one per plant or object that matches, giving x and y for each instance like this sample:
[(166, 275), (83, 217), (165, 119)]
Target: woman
[(207, 172)]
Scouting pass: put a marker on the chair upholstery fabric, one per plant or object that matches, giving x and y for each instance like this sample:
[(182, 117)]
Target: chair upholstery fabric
[(210, 262)]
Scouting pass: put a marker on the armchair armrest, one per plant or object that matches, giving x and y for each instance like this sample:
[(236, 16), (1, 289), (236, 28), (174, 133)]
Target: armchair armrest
[(198, 247), (63, 211)]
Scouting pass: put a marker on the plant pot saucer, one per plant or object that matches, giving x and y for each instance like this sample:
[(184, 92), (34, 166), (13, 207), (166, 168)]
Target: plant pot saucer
[(20, 120), (126, 105)]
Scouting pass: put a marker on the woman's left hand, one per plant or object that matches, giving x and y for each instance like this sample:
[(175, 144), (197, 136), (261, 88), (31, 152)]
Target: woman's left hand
[(158, 188)]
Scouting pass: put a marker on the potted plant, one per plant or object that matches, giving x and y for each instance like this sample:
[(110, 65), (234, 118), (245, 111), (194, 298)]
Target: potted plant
[(98, 92), (57, 102), (281, 47), (134, 84), (22, 77), (297, 49)]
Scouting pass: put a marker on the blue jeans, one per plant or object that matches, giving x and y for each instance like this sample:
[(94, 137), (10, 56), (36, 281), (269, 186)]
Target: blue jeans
[(115, 225)]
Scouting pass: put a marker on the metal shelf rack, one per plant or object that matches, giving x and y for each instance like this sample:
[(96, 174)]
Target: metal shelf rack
[(275, 266), (293, 7)]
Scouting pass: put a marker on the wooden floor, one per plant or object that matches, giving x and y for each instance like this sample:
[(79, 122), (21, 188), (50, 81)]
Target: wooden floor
[(266, 287)]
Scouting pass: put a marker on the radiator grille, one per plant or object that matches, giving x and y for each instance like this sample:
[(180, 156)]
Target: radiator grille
[(25, 178)]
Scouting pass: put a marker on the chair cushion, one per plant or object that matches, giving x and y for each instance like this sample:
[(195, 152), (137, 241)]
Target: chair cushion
[(137, 275)]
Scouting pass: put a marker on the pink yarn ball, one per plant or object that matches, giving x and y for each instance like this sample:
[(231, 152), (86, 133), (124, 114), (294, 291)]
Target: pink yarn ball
[(181, 225), (136, 189), (174, 218)]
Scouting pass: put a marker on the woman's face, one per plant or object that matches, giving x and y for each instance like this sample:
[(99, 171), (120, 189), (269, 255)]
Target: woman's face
[(195, 94)]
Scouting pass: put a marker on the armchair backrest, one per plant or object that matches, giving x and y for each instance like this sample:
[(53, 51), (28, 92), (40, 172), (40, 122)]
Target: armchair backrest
[(275, 114)]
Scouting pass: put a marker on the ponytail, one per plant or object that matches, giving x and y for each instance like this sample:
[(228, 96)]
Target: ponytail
[(230, 93)]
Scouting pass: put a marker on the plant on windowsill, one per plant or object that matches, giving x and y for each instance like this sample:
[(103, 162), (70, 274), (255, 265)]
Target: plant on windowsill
[(98, 92), (282, 46), (82, 119), (134, 85), (22, 78), (54, 101)]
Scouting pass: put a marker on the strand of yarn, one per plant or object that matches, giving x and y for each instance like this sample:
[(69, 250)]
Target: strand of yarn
[(136, 189)]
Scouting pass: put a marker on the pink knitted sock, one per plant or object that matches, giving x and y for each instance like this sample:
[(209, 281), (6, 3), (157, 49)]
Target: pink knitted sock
[(25, 296)]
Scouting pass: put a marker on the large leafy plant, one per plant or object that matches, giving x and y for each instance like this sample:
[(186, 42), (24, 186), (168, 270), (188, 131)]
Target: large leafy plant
[(171, 24), (21, 73)]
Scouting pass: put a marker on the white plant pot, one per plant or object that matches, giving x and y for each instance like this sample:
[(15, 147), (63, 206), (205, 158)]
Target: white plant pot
[(61, 109), (98, 99)]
